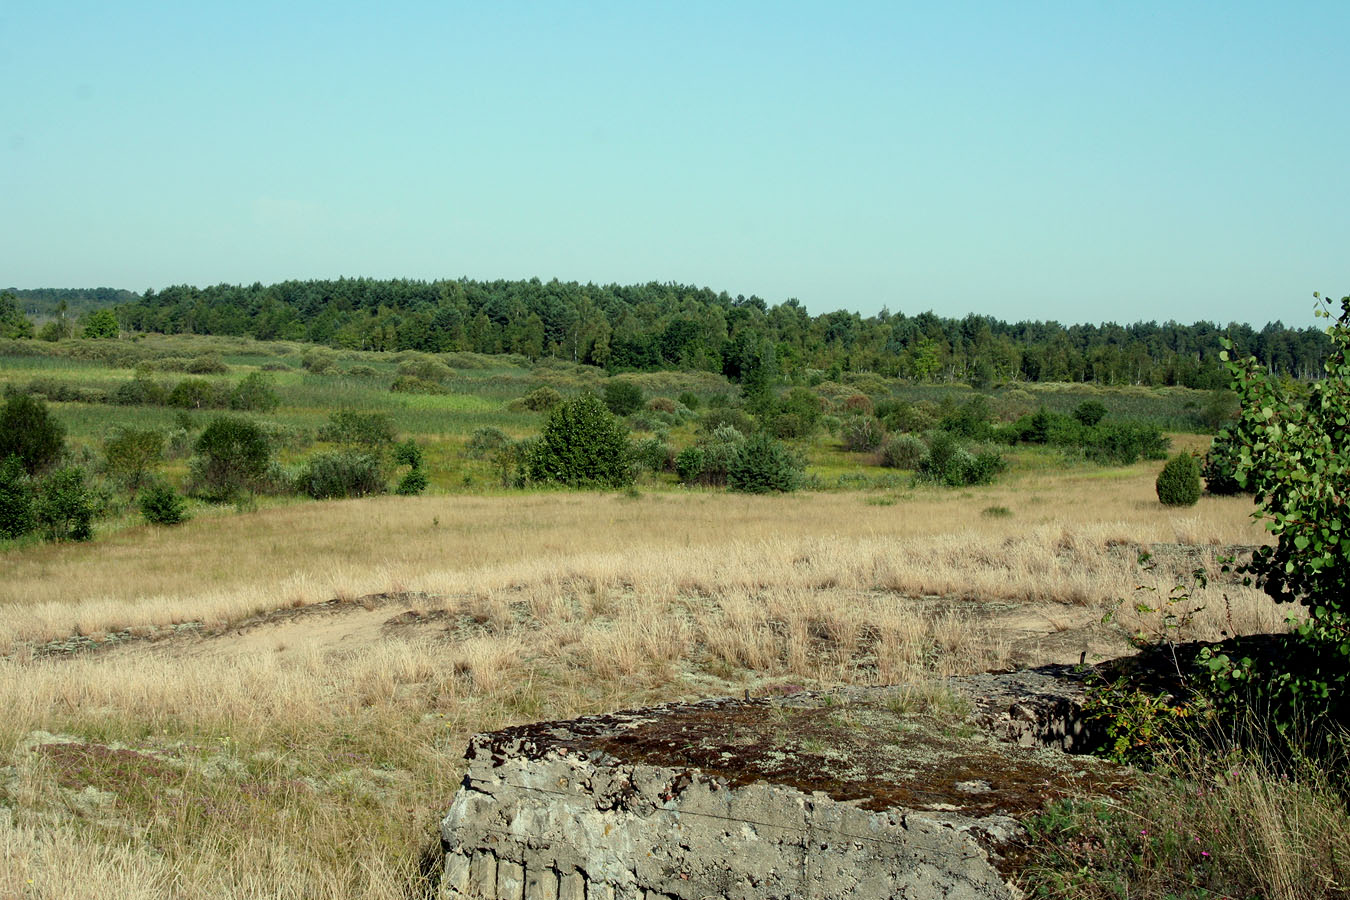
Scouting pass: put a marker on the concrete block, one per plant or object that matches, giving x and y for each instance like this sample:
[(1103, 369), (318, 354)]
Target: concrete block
[(541, 884), (455, 878), (510, 880), (483, 876)]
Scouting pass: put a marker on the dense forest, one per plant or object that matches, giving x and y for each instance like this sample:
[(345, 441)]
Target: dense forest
[(655, 326)]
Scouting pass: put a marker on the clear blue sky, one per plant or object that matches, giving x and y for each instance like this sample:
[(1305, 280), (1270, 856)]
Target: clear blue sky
[(1072, 161)]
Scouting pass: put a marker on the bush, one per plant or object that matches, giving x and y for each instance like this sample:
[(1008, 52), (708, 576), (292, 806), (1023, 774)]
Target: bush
[(582, 444), (902, 451), (131, 453), (1219, 466), (210, 364), (318, 362), (359, 371), (232, 455), (484, 441), (342, 474), (198, 393), (408, 454), (689, 464), (254, 392), (725, 416), (689, 400), (1178, 483), (371, 432), (28, 431), (410, 384), (1089, 413), (141, 391), (16, 499), (65, 508), (161, 505), (425, 368), (863, 434), (969, 420), (413, 482), (1123, 443), (623, 397), (541, 399), (652, 455), (710, 461), (765, 465)]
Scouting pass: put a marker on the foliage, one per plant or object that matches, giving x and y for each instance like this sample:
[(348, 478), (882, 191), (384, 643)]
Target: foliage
[(13, 323), (28, 430), (970, 420), (689, 400), (131, 453), (1089, 413), (16, 499), (411, 384), (408, 454), (862, 434), (254, 392), (101, 323), (232, 455), (485, 440), (342, 474), (950, 464), (161, 505), (623, 397), (652, 455), (65, 508), (413, 482), (198, 393), (725, 417), (1219, 466), (541, 399), (709, 461), (765, 465), (1294, 455), (902, 451), (1178, 483), (582, 444), (369, 432), (424, 368), (796, 415)]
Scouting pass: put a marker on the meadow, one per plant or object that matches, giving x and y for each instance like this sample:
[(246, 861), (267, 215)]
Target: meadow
[(271, 700)]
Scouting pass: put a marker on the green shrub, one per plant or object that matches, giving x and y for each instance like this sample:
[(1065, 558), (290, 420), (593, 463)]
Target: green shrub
[(541, 399), (582, 444), (317, 361), (410, 384), (710, 460), (16, 499), (971, 419), (725, 416), (408, 454), (1220, 464), (1178, 483), (342, 474), (413, 482), (689, 464), (254, 392), (141, 391), (652, 455), (371, 432), (28, 431), (902, 451), (862, 434), (232, 455), (765, 465), (662, 405), (161, 505), (425, 368), (198, 393), (131, 453), (360, 371), (211, 364), (623, 397), (65, 508), (689, 400), (484, 441), (1089, 413)]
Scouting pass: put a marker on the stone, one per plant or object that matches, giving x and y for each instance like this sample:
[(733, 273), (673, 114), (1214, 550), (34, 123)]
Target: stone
[(860, 793)]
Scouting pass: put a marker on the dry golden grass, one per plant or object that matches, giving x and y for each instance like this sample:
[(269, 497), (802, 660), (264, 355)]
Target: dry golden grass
[(311, 754)]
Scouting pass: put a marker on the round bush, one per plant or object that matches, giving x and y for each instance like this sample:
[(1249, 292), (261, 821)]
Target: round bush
[(581, 444), (623, 397), (342, 475), (902, 451), (1179, 481), (161, 505), (765, 465), (413, 482), (863, 434)]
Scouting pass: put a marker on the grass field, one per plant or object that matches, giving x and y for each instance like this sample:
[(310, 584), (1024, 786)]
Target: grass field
[(272, 702)]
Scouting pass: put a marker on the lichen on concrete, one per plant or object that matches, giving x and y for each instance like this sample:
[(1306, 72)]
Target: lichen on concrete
[(856, 793)]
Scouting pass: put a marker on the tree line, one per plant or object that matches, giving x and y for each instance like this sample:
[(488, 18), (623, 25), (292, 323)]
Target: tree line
[(653, 326)]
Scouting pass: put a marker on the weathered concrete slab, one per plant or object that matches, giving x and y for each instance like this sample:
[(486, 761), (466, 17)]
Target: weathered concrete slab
[(864, 793)]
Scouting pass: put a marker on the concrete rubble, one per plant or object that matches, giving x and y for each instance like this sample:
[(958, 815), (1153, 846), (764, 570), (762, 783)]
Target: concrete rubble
[(861, 793)]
